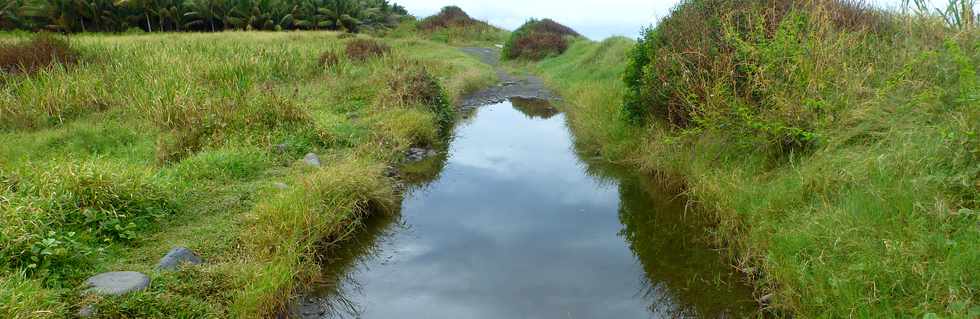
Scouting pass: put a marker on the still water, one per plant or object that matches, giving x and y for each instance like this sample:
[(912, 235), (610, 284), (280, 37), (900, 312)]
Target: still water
[(513, 223)]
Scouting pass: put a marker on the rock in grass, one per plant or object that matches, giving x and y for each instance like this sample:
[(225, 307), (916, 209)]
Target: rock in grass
[(177, 256), (766, 300), (280, 185), (117, 283), (312, 160), (416, 154), (86, 312)]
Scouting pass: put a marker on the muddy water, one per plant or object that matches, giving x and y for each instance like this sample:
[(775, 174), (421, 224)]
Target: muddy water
[(517, 225)]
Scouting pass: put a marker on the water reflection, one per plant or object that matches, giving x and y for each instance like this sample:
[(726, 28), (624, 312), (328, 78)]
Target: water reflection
[(517, 226), (534, 108)]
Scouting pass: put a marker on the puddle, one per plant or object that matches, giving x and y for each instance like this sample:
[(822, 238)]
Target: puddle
[(516, 225)]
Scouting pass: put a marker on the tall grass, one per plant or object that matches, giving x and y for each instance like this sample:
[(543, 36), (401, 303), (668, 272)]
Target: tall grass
[(189, 134), (875, 216), (22, 298)]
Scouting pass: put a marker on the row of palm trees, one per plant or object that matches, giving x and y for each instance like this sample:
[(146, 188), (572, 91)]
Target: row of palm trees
[(198, 15)]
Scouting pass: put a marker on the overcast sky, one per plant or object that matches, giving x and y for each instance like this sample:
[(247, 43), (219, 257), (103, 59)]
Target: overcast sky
[(595, 19)]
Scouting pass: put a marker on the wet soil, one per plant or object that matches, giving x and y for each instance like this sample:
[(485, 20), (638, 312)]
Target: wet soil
[(510, 86)]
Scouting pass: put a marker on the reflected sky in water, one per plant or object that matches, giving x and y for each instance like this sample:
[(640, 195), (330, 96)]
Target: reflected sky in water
[(513, 228)]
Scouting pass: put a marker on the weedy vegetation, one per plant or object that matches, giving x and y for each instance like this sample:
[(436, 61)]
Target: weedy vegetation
[(42, 52), (155, 141), (836, 144), (454, 26), (538, 39), (361, 50)]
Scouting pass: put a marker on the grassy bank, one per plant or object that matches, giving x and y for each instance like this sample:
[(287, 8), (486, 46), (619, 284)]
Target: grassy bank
[(873, 214), (155, 141)]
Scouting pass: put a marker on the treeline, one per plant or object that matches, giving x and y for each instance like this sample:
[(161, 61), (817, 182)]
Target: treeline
[(198, 15)]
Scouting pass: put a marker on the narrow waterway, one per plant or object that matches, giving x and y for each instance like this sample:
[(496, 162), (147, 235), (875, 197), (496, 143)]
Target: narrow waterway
[(512, 223)]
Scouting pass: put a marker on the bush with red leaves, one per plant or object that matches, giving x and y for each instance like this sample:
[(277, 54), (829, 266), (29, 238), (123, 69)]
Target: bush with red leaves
[(538, 39)]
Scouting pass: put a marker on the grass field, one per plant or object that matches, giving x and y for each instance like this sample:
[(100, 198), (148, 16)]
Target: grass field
[(878, 219), (162, 140)]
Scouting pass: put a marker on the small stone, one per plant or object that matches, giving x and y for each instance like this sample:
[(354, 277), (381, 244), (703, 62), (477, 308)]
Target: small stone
[(117, 283), (280, 185), (391, 171), (416, 154), (312, 160), (86, 312), (178, 256), (766, 299)]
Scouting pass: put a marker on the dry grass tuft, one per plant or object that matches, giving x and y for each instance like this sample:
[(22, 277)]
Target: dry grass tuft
[(329, 59), (41, 52), (365, 49)]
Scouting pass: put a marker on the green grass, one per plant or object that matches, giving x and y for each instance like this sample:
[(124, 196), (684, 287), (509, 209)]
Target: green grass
[(480, 34), (163, 140), (879, 219)]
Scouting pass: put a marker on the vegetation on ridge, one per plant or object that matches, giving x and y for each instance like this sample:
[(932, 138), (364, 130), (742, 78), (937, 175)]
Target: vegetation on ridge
[(538, 39), (453, 25)]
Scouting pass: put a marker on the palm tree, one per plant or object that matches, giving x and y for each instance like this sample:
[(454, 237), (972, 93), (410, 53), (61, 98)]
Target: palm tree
[(57, 15), (10, 14), (144, 7), (97, 15), (205, 13)]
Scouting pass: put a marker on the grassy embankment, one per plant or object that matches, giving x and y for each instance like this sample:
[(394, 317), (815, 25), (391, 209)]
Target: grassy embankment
[(156, 141), (837, 146)]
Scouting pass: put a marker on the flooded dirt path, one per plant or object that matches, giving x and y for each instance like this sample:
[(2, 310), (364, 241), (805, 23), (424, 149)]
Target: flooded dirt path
[(512, 223)]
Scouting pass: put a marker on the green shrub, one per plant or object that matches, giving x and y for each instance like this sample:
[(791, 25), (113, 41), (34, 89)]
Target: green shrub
[(538, 39), (767, 69)]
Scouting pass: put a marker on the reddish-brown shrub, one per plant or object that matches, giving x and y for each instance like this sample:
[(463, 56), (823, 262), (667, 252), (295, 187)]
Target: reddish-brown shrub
[(364, 49), (329, 59), (550, 26), (39, 53), (536, 46), (451, 16), (538, 39)]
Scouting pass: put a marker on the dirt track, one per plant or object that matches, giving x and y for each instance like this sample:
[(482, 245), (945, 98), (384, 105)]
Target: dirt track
[(510, 86)]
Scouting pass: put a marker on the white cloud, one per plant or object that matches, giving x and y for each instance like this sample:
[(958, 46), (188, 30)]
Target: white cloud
[(594, 19)]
